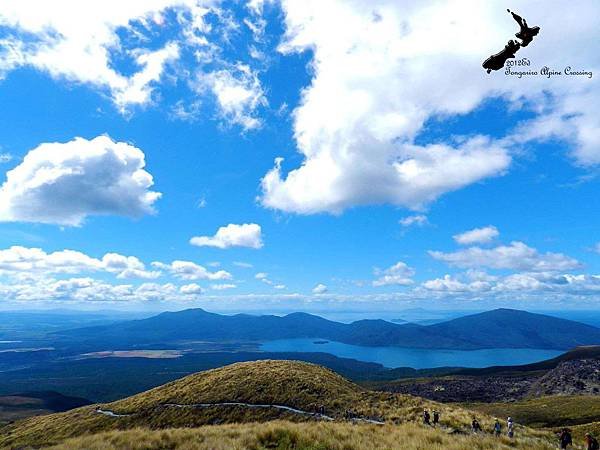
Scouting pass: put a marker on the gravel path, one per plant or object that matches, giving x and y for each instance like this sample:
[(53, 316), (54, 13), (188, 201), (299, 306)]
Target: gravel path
[(110, 413)]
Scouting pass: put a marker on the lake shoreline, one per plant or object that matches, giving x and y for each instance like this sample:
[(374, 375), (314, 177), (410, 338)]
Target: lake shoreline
[(394, 357)]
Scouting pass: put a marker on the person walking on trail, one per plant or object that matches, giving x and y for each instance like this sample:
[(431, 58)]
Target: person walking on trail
[(426, 417), (497, 428), (565, 439), (510, 425), (475, 427), (436, 417), (591, 442)]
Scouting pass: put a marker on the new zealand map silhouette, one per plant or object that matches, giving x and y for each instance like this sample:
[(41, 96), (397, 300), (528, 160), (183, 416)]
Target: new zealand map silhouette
[(525, 34)]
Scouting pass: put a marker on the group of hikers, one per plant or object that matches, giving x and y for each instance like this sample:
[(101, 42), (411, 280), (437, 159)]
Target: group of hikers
[(427, 418), (565, 439), (510, 428), (475, 425)]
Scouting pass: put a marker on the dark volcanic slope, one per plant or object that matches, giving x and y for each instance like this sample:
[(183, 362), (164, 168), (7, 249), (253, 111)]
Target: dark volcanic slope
[(576, 372), (501, 328), (575, 377)]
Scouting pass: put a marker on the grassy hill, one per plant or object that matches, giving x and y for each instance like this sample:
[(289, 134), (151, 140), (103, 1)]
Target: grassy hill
[(287, 383)]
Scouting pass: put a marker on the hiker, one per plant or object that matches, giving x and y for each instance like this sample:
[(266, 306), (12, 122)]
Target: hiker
[(510, 425), (475, 427), (526, 33), (565, 439), (497, 428), (436, 417), (591, 442), (426, 417)]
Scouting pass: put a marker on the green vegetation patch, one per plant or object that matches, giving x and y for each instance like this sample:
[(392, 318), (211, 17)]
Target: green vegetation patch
[(546, 412)]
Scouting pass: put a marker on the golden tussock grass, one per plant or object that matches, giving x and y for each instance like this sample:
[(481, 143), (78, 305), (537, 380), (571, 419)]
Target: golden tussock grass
[(300, 436)]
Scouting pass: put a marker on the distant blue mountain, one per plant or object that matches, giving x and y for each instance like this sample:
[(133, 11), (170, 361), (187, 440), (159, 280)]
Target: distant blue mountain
[(500, 328)]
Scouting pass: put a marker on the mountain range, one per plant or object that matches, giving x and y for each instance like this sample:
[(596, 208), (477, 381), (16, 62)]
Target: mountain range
[(500, 328)]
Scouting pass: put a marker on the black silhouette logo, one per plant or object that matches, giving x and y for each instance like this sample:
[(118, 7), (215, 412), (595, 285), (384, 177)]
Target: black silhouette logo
[(525, 34)]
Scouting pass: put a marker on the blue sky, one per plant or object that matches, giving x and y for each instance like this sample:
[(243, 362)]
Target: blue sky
[(409, 177)]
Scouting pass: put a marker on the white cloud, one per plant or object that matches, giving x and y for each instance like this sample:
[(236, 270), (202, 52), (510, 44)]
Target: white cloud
[(477, 235), (159, 43), (264, 277), (232, 235), (63, 183), (76, 41), (398, 274), (127, 266), (188, 270), (77, 289), (450, 284), (238, 93), (527, 286), (16, 261), (447, 283), (328, 182), (391, 67), (514, 290), (320, 289), (520, 282), (515, 256), (223, 286), (155, 292), (86, 289), (417, 220), (191, 289), (280, 286), (5, 157), (138, 90)]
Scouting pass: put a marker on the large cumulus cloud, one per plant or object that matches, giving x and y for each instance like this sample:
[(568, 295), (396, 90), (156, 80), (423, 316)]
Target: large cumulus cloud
[(63, 183), (382, 69)]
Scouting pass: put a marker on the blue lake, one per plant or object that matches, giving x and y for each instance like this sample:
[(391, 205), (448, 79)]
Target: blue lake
[(413, 357)]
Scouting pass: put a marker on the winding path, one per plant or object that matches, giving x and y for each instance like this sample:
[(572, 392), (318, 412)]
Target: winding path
[(110, 413)]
